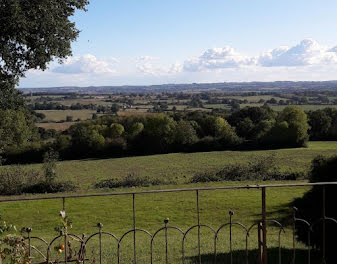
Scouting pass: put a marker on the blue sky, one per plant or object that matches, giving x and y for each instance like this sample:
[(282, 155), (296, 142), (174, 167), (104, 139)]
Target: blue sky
[(182, 41)]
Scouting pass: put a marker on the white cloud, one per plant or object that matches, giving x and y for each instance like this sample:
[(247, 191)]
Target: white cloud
[(151, 66), (145, 58), (308, 60), (86, 64), (218, 58), (307, 52)]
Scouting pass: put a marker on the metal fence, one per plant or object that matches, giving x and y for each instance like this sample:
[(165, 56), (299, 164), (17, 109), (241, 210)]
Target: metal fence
[(261, 239)]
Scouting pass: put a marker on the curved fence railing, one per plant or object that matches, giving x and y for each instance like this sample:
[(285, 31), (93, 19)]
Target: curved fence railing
[(255, 233)]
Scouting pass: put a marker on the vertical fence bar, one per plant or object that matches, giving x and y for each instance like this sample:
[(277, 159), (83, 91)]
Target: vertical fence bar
[(29, 230), (324, 224), (198, 216), (100, 226), (230, 236), (309, 257), (259, 242), (166, 245), (65, 234), (264, 226), (134, 228), (294, 235)]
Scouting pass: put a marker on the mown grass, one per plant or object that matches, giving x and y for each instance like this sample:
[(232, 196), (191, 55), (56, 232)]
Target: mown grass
[(115, 212)]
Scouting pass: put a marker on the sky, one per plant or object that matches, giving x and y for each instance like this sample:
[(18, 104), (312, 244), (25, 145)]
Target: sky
[(144, 42)]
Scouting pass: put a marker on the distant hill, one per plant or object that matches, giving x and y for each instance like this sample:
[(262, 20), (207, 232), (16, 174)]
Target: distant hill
[(279, 86)]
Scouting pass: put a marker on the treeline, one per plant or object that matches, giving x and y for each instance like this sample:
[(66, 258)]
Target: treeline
[(115, 136)]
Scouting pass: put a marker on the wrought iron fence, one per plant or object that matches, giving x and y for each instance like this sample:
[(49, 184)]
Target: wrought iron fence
[(80, 256)]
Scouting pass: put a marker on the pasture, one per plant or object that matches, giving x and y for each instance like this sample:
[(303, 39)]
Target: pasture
[(115, 212)]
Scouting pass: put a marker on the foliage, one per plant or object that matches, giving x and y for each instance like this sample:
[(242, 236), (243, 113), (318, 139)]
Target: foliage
[(290, 129), (185, 134), (16, 179), (116, 130), (49, 166), (323, 169), (10, 98), (16, 128), (258, 169), (131, 180), (323, 124), (13, 247), (45, 32)]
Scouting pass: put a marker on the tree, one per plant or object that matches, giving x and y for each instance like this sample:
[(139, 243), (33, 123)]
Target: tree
[(35, 32), (16, 128), (115, 130), (136, 129), (159, 132), (290, 129), (185, 134), (49, 166), (9, 97), (115, 108)]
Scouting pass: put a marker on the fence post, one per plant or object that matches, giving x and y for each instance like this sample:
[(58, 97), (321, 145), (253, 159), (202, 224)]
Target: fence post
[(264, 227), (324, 225), (134, 228), (198, 216)]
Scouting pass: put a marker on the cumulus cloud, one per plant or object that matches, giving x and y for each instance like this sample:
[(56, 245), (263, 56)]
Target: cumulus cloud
[(86, 64), (218, 58), (151, 66), (307, 52)]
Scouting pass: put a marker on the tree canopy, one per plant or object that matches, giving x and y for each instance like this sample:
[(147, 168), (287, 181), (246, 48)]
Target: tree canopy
[(35, 32)]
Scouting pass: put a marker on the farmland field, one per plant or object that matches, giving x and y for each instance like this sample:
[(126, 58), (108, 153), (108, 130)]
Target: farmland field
[(60, 115)]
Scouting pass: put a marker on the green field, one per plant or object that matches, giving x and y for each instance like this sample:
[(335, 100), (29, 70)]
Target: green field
[(151, 209), (180, 167), (115, 212)]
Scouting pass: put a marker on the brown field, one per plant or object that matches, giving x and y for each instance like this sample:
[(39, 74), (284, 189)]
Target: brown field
[(60, 115), (57, 126)]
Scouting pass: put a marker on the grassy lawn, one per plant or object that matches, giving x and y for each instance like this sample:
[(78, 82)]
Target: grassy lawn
[(115, 212)]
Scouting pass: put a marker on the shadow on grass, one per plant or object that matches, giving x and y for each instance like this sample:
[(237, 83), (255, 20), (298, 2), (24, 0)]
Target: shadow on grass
[(239, 257)]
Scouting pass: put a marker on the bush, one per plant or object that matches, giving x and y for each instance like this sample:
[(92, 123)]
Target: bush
[(259, 168), (14, 179), (131, 180), (323, 169), (52, 187), (205, 177)]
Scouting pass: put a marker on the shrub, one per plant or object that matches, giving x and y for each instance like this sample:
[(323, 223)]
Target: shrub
[(53, 187), (259, 168), (14, 179), (323, 169), (131, 180), (205, 177)]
